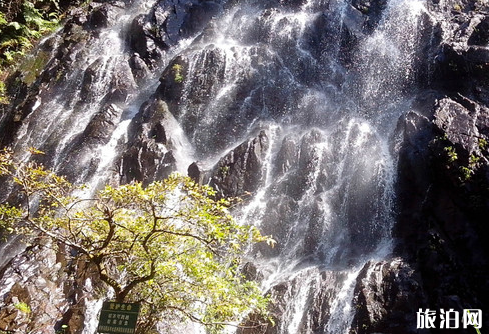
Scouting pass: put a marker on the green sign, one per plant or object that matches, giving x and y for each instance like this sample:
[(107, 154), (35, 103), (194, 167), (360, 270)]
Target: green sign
[(118, 318)]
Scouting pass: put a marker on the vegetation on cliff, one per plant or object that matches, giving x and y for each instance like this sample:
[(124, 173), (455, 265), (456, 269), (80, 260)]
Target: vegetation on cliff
[(170, 245), (22, 23)]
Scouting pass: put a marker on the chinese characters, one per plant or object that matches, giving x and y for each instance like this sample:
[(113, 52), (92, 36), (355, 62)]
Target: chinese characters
[(118, 318), (426, 318)]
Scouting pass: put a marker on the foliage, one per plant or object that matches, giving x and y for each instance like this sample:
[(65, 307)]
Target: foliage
[(473, 160), (21, 23), (177, 69), (170, 245), (30, 24), (466, 173), (224, 170), (482, 143), (451, 153), (23, 307), (3, 89), (468, 169)]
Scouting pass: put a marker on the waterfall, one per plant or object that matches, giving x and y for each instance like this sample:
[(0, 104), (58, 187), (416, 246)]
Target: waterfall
[(328, 189), (326, 91)]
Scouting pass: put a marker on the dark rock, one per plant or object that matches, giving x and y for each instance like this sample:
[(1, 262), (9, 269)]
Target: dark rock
[(440, 228), (462, 64), (99, 17), (251, 272), (101, 126), (141, 39), (153, 135), (138, 67), (172, 82), (442, 192), (287, 156), (464, 124), (209, 75), (372, 9), (240, 172), (89, 77), (121, 85), (480, 36), (387, 296), (168, 18), (36, 299), (325, 43), (354, 20), (196, 173), (168, 23), (198, 17)]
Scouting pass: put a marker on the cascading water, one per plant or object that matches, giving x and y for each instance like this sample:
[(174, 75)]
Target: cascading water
[(326, 93), (327, 194)]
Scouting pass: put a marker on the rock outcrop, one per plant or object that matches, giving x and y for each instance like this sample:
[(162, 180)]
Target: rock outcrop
[(240, 172), (148, 155), (43, 289)]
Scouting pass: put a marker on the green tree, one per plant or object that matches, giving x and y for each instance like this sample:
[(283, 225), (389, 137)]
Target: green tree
[(171, 245)]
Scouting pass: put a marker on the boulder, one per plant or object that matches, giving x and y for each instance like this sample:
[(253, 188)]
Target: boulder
[(142, 39), (100, 16), (465, 124), (172, 83)]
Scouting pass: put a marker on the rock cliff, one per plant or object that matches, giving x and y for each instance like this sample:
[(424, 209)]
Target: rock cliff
[(205, 98)]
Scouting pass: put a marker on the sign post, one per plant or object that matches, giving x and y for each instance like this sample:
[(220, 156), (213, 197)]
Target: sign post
[(118, 318)]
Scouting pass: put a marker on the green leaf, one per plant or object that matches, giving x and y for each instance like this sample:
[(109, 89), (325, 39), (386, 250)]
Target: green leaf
[(179, 248), (15, 25)]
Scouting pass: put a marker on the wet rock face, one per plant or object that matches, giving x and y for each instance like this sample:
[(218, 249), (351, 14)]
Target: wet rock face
[(461, 64), (96, 87), (38, 294), (148, 155), (442, 201), (387, 296), (100, 16), (168, 23), (240, 172), (141, 39), (442, 196), (372, 9), (43, 288), (314, 289), (441, 187), (79, 160), (172, 83), (465, 124)]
